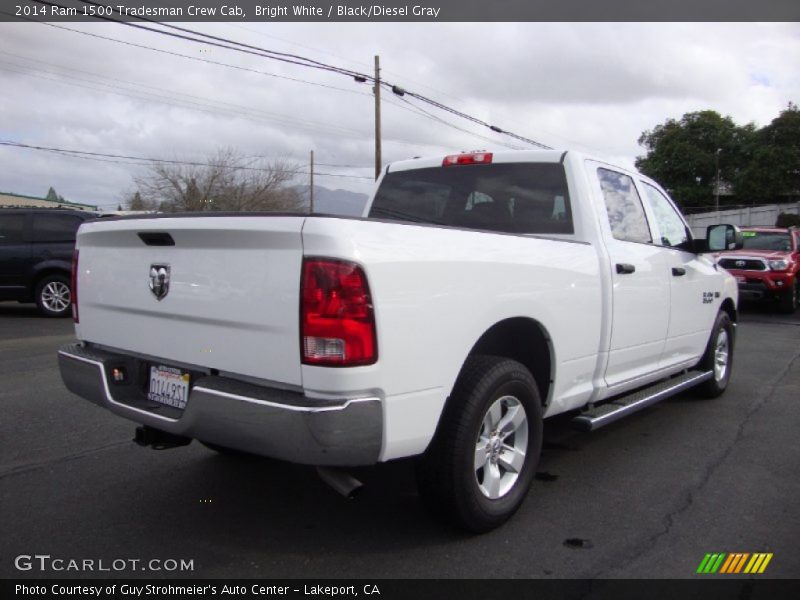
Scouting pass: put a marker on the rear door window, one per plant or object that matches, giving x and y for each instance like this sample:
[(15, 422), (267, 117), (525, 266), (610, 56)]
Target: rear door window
[(12, 228), (55, 227), (624, 207), (504, 197)]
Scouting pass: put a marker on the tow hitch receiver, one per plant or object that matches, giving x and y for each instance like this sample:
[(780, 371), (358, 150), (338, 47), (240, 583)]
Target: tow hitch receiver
[(159, 440)]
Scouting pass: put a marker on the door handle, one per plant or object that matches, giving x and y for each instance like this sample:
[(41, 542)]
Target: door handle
[(625, 269), (678, 271)]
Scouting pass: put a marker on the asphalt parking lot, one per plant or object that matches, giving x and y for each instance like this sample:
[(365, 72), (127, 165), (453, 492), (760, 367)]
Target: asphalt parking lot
[(646, 497)]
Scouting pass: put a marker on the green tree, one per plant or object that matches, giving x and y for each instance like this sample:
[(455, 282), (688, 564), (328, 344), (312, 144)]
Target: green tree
[(51, 195), (136, 203), (772, 173), (684, 155)]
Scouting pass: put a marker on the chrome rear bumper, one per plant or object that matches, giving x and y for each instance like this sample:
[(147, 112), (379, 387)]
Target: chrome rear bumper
[(231, 413)]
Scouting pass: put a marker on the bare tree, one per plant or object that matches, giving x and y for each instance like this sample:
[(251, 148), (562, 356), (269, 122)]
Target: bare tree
[(226, 181)]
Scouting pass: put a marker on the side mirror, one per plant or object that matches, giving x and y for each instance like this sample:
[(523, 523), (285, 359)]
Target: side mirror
[(724, 237)]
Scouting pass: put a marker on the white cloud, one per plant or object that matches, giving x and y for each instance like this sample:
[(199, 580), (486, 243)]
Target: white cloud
[(592, 86)]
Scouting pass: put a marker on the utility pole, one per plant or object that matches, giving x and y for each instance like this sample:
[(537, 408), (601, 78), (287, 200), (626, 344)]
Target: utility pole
[(311, 187), (377, 92)]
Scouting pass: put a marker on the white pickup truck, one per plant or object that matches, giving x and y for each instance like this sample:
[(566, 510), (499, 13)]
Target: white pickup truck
[(479, 294)]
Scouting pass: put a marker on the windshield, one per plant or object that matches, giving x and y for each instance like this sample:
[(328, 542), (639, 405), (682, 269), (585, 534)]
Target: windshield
[(763, 240), (506, 197)]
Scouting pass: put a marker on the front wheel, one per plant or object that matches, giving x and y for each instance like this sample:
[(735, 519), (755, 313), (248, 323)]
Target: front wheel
[(718, 357), (789, 298), (481, 462), (53, 296)]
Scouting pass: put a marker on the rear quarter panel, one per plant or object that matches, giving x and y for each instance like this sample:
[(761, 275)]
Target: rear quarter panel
[(436, 291)]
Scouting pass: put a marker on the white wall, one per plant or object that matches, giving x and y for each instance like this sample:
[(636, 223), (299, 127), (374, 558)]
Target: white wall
[(748, 216)]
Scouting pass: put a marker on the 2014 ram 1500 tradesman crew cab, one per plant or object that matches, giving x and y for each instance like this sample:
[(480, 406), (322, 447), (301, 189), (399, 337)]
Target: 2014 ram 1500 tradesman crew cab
[(480, 294)]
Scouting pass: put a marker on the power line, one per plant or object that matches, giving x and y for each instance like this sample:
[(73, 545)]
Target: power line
[(362, 63), (167, 100), (291, 43), (195, 58), (147, 159), (198, 103), (416, 109), (311, 62), (302, 61), (343, 166), (463, 115), (211, 40), (239, 111), (317, 163)]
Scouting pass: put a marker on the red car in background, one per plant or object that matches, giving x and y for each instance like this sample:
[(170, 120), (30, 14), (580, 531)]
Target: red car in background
[(768, 266)]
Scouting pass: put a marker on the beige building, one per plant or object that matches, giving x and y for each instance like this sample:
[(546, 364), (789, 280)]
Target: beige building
[(19, 201)]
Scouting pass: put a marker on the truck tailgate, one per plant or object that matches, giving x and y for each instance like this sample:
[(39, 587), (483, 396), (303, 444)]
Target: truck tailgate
[(232, 299)]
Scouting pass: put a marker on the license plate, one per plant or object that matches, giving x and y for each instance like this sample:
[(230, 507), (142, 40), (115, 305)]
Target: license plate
[(168, 386), (741, 279)]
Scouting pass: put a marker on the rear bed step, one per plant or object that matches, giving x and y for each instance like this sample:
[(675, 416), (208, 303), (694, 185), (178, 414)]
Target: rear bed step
[(622, 407)]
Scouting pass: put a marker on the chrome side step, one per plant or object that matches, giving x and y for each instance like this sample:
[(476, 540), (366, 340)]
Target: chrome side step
[(625, 405)]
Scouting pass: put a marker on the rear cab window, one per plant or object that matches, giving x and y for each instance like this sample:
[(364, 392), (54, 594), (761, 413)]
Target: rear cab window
[(522, 198)]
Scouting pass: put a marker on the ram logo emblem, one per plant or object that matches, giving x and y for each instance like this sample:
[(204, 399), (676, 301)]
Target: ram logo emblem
[(740, 263), (159, 281)]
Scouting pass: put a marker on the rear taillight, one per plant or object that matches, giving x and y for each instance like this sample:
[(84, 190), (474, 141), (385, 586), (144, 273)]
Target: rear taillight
[(470, 158), (74, 286), (337, 323)]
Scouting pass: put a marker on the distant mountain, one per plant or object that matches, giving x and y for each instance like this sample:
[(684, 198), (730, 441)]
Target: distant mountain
[(336, 202)]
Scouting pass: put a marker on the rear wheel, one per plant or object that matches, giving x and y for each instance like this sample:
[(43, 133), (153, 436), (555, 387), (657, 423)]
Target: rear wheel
[(718, 357), (53, 296), (479, 467)]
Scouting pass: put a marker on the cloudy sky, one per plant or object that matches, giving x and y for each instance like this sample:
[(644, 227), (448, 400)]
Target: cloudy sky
[(592, 87)]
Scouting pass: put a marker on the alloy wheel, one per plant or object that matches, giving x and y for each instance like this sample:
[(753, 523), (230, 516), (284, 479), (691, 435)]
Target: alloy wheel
[(501, 447), (56, 296), (721, 355)]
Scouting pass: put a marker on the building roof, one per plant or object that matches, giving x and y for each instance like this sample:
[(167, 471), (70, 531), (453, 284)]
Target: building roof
[(7, 199)]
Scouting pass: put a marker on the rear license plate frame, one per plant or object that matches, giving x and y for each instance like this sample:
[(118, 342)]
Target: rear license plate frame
[(168, 386)]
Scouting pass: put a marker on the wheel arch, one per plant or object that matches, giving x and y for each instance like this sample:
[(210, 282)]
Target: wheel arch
[(729, 307), (526, 341), (46, 271)]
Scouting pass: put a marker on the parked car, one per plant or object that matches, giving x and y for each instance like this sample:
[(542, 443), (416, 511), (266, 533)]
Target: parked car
[(768, 265), (479, 294), (36, 248)]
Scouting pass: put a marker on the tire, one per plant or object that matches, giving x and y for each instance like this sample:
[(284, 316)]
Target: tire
[(54, 296), (474, 475), (789, 299), (718, 357)]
